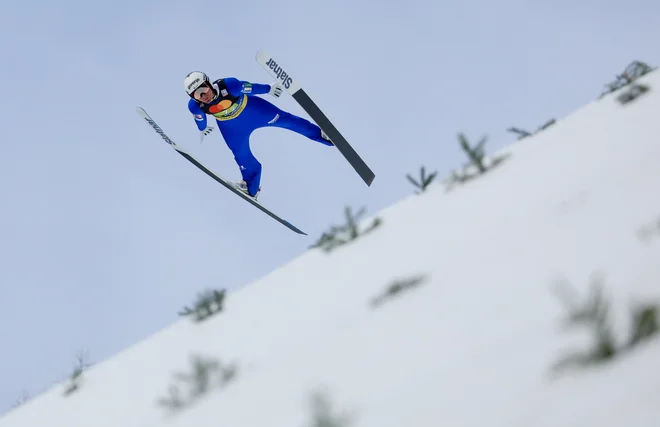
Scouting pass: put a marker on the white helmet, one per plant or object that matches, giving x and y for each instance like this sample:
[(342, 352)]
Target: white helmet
[(194, 80)]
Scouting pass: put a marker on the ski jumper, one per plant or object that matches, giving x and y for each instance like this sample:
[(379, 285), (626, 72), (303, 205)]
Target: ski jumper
[(238, 113)]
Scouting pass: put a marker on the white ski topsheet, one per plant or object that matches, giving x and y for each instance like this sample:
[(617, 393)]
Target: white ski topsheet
[(277, 71)]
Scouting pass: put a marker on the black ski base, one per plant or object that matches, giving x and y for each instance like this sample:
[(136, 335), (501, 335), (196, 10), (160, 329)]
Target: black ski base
[(333, 133), (214, 175)]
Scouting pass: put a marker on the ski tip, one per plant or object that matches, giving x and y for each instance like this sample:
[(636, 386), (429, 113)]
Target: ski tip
[(293, 227)]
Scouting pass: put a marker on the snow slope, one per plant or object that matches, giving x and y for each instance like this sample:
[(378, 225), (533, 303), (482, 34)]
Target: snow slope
[(472, 345)]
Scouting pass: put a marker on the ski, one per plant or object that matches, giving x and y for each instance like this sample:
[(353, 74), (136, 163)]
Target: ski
[(279, 73), (214, 175)]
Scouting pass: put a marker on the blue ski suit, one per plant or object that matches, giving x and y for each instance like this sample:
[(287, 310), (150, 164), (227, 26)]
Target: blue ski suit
[(238, 113)]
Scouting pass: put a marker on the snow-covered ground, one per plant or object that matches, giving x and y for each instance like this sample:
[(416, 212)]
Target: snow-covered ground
[(472, 345)]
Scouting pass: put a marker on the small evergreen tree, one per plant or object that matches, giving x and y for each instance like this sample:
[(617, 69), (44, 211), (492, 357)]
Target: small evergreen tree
[(520, 132), (525, 134), (395, 288), (632, 72), (201, 377), (475, 154), (644, 324), (21, 400), (207, 373), (477, 159), (594, 314), (76, 376), (323, 414), (341, 235), (207, 304), (424, 179), (649, 231)]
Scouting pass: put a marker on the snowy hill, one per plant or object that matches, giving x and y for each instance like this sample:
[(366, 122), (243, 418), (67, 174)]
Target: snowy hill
[(471, 341)]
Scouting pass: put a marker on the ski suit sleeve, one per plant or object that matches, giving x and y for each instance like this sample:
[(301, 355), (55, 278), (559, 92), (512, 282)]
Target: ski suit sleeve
[(238, 87), (200, 116)]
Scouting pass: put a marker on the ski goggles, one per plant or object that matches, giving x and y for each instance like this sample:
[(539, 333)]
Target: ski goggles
[(204, 89)]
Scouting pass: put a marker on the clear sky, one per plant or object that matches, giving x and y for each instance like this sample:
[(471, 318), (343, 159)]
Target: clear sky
[(106, 233)]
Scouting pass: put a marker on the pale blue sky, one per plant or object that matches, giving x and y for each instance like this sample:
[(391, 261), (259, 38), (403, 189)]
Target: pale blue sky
[(106, 232)]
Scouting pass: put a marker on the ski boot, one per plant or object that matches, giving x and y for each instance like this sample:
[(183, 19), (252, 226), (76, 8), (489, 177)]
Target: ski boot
[(325, 136), (242, 186)]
